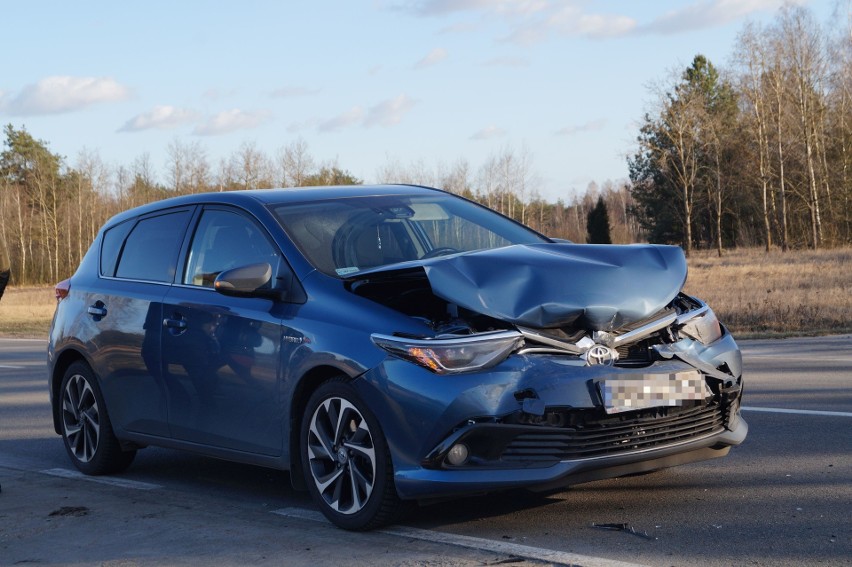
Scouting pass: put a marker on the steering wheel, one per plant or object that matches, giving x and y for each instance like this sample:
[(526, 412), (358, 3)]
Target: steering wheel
[(440, 251)]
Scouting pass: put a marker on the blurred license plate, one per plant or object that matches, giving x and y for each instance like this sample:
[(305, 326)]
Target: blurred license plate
[(653, 390)]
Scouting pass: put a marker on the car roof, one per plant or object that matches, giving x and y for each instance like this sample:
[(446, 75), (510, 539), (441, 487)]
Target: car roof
[(265, 197), (302, 194)]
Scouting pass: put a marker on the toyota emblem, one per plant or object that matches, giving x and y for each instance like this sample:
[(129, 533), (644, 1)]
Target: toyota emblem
[(601, 355)]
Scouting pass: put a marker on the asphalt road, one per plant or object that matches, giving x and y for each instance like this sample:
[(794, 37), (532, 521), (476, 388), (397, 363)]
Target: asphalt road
[(782, 498)]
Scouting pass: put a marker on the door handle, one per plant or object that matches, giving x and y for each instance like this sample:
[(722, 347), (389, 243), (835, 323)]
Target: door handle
[(177, 324), (97, 311)]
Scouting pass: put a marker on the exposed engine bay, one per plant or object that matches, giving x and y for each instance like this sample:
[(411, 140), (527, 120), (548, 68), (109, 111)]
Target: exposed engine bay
[(571, 307)]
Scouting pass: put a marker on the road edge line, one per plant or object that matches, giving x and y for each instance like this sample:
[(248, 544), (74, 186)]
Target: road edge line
[(479, 544)]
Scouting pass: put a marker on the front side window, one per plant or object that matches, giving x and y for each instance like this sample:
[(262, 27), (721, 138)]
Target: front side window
[(226, 240), (151, 250), (344, 236)]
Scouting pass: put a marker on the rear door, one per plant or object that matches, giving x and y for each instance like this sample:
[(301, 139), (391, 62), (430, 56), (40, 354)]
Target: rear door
[(124, 316), (221, 354)]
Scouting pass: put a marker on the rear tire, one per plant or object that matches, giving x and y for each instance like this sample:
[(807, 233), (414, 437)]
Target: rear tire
[(86, 429), (345, 459)]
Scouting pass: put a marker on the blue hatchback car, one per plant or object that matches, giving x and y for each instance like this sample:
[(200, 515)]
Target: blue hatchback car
[(385, 344)]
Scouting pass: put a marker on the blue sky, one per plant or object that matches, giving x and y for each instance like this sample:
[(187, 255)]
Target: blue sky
[(361, 81)]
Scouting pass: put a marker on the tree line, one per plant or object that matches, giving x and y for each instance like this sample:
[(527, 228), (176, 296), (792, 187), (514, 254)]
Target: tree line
[(52, 209), (755, 154)]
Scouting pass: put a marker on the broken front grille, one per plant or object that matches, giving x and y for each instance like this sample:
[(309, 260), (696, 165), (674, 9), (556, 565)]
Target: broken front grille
[(523, 439), (610, 437)]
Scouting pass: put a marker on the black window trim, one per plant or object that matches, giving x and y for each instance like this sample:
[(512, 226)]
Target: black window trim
[(192, 209), (189, 235)]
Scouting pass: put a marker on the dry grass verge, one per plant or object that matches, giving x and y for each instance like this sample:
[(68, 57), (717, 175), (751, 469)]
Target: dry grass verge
[(760, 294), (26, 312), (756, 294)]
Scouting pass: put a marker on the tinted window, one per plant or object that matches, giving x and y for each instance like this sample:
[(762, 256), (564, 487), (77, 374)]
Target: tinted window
[(225, 240), (111, 247), (151, 250)]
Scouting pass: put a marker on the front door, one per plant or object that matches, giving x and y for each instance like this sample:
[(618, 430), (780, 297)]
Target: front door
[(221, 355)]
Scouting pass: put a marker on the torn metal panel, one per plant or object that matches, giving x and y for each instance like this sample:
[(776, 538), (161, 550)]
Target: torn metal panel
[(684, 350), (597, 287)]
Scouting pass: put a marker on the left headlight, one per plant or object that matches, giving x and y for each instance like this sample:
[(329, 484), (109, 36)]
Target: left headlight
[(453, 355)]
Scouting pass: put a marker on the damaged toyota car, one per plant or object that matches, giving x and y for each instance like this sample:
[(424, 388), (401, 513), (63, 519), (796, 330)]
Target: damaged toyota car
[(386, 345)]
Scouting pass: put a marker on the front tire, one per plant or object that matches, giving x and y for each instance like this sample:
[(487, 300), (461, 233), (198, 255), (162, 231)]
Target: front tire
[(86, 429), (345, 459)]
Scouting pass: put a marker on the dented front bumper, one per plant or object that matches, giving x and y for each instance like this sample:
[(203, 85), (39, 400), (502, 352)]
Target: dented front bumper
[(539, 421)]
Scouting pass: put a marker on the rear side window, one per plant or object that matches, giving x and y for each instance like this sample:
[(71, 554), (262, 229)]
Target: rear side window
[(151, 250), (111, 247)]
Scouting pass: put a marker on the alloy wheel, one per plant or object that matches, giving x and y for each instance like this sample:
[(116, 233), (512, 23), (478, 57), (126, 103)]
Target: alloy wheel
[(80, 418), (342, 455)]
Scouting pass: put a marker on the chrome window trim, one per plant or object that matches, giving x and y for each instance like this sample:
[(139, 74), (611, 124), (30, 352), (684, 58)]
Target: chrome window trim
[(133, 280)]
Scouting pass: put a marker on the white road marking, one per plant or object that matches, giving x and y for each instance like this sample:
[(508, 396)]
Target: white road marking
[(112, 481), (10, 367), (800, 411), (511, 549)]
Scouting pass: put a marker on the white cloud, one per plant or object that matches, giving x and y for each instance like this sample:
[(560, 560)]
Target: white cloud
[(386, 113), (708, 14), (569, 20), (389, 112), (58, 94), (162, 117), (348, 118), (602, 25), (441, 7), (488, 133), (530, 21), (435, 56), (294, 91), (231, 121), (593, 126)]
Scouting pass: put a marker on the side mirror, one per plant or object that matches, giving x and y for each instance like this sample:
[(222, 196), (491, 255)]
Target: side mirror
[(247, 281)]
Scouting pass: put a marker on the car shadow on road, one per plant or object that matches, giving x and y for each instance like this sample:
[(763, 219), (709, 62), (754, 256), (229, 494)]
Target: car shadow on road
[(438, 513)]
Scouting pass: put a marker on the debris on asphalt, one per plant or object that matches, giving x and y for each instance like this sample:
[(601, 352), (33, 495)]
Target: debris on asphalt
[(75, 511), (627, 528)]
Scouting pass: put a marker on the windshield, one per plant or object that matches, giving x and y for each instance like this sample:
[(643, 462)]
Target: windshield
[(345, 236)]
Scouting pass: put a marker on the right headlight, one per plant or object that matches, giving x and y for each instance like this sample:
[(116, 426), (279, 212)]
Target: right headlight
[(704, 328), (453, 355)]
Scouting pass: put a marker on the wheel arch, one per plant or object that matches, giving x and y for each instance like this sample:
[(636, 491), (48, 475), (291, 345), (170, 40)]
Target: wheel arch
[(306, 386), (63, 360)]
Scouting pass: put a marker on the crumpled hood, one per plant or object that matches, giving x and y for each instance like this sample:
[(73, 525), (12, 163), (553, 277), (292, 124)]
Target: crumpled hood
[(596, 287)]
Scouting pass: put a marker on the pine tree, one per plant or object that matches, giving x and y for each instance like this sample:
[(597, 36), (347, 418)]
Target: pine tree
[(597, 224)]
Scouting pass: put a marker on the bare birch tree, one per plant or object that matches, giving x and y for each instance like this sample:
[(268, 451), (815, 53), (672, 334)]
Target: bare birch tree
[(295, 164), (803, 54), (750, 58)]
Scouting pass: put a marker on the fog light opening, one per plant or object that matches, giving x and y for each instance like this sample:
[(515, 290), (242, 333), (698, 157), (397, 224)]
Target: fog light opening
[(458, 454)]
